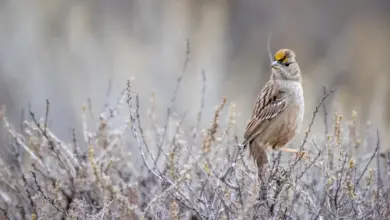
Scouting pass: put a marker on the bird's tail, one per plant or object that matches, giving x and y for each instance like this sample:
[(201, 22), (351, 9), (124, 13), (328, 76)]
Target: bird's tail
[(259, 154)]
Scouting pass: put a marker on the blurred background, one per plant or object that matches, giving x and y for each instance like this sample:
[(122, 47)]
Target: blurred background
[(72, 51)]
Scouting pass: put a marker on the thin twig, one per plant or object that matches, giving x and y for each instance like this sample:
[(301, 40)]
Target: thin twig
[(326, 127), (369, 162), (388, 164), (46, 116), (314, 116), (4, 212), (176, 90), (202, 103), (43, 194), (141, 132), (135, 133), (310, 127), (173, 186)]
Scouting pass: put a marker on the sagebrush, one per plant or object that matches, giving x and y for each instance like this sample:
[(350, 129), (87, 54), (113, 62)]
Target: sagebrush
[(169, 171)]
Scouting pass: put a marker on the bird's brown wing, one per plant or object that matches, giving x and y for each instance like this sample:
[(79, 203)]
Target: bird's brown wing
[(269, 104)]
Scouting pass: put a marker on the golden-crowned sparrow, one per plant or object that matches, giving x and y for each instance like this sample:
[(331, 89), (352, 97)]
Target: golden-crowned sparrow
[(278, 113)]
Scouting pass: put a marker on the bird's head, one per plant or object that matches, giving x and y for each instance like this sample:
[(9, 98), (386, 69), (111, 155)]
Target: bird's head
[(285, 66)]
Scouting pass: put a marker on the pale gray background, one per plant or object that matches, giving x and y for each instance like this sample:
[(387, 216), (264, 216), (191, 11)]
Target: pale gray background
[(67, 51)]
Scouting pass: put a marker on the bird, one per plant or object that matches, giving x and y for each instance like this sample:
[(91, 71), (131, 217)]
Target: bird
[(278, 112)]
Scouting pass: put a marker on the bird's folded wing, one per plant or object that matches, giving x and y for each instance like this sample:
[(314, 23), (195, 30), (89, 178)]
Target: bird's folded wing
[(269, 104)]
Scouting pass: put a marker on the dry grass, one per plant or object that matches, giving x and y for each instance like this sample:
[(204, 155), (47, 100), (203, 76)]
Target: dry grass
[(169, 171), (193, 176)]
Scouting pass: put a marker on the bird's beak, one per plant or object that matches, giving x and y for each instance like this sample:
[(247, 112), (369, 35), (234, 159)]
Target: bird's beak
[(275, 65)]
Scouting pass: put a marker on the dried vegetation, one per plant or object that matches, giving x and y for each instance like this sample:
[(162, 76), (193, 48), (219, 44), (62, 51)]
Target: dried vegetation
[(169, 171)]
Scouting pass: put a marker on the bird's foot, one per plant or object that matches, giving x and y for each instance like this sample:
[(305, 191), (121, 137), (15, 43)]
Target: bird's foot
[(302, 154), (289, 150)]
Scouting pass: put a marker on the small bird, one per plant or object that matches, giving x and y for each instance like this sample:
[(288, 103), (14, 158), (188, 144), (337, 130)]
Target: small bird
[(278, 112)]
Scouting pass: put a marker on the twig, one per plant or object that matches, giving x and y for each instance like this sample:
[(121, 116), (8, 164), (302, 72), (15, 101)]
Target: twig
[(339, 183), (326, 127), (379, 179), (43, 194), (113, 111), (141, 132), (2, 112), (202, 103), (31, 201), (198, 213), (21, 143), (108, 93), (135, 133), (4, 212), (173, 186), (310, 164), (388, 163), (369, 162), (314, 116), (46, 116), (174, 96), (310, 127), (210, 137)]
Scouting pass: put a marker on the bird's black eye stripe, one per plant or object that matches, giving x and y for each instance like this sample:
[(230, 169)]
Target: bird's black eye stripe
[(283, 59)]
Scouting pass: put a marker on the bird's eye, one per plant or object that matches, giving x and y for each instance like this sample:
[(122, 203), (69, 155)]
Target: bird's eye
[(287, 64)]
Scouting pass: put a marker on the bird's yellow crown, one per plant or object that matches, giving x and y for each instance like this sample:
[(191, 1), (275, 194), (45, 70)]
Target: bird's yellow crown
[(281, 55)]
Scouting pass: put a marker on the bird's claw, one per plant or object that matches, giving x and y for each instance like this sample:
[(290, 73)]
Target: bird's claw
[(302, 154)]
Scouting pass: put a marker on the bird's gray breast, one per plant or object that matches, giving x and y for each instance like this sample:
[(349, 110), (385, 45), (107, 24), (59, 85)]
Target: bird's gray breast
[(295, 93), (298, 99)]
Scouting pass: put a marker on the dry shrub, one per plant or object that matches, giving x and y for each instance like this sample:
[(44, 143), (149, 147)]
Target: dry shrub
[(169, 171)]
